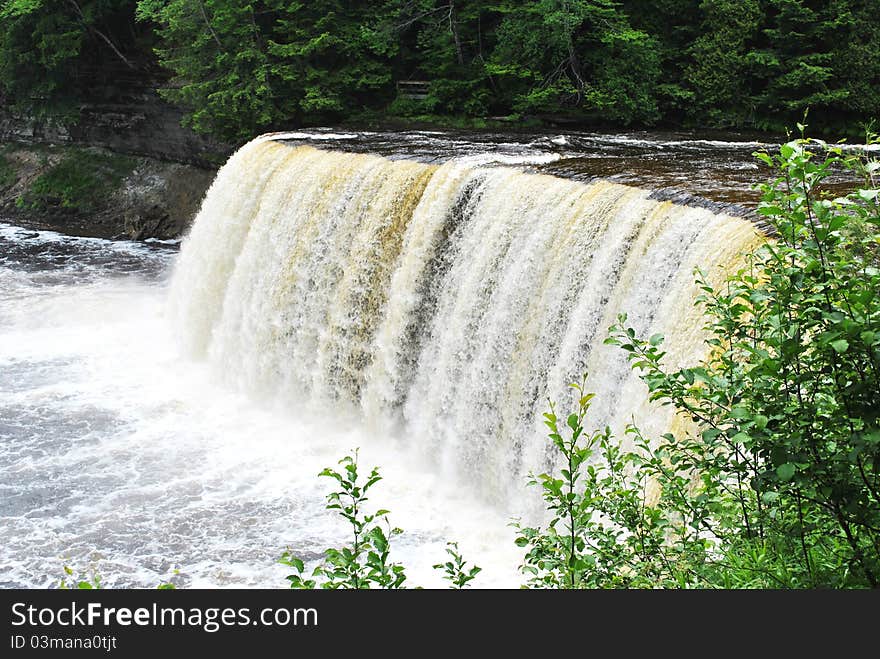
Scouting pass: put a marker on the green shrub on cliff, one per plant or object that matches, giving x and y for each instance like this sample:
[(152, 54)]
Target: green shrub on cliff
[(7, 173), (80, 182)]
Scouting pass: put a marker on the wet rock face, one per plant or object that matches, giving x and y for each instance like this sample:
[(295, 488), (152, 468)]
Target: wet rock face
[(160, 200), (155, 194), (130, 119)]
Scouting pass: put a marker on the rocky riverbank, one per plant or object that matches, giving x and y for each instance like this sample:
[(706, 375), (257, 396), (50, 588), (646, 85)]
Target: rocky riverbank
[(122, 166), (93, 191)]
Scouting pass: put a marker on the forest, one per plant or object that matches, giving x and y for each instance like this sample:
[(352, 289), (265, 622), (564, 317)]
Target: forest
[(241, 67)]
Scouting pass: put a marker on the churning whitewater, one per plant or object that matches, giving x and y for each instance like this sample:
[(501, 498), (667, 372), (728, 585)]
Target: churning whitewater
[(441, 305)]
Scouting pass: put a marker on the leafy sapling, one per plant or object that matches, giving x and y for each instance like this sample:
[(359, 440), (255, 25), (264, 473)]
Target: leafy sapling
[(457, 571), (82, 582), (365, 562), (556, 556)]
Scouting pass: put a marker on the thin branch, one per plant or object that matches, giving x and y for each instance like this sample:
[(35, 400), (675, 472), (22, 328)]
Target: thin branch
[(208, 25), (100, 35)]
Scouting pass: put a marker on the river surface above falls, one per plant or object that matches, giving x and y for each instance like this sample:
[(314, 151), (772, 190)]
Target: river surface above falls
[(715, 166)]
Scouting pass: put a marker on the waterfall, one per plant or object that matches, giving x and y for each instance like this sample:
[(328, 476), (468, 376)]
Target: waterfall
[(441, 304)]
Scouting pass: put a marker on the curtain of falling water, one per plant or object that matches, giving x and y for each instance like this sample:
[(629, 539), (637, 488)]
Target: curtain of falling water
[(443, 303)]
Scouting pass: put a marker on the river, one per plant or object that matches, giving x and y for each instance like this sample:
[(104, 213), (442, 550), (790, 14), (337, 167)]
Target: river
[(126, 452)]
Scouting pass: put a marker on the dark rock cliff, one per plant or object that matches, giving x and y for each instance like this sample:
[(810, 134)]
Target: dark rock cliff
[(157, 197)]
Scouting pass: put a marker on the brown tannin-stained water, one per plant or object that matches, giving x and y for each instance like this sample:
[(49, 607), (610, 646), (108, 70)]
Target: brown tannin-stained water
[(716, 166)]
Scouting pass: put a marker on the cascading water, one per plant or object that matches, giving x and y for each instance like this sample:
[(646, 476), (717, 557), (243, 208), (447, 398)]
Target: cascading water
[(443, 304)]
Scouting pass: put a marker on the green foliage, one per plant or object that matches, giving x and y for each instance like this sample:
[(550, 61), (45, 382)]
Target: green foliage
[(239, 67), (606, 531), (456, 569), (717, 71), (764, 62), (8, 177), (556, 54), (786, 409), (220, 60), (94, 582), (365, 563), (49, 50), (813, 57), (79, 180), (560, 556), (243, 66), (83, 582)]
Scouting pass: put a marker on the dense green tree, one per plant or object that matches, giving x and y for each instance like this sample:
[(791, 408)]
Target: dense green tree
[(447, 42), (50, 50), (718, 73), (243, 66), (334, 56), (674, 25), (239, 67), (814, 58), (799, 61), (857, 65), (219, 57), (576, 53), (763, 63)]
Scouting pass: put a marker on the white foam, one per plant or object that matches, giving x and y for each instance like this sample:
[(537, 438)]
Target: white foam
[(316, 136), (119, 455), (481, 159)]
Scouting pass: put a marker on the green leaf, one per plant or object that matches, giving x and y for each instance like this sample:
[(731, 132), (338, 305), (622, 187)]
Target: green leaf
[(770, 496), (840, 345), (763, 157), (785, 471)]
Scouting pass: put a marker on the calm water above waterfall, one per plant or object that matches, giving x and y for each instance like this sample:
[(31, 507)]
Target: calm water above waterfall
[(164, 410), (715, 166)]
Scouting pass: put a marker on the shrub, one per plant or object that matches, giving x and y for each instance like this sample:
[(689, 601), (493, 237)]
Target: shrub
[(79, 182), (606, 530), (785, 411), (456, 569), (365, 562)]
